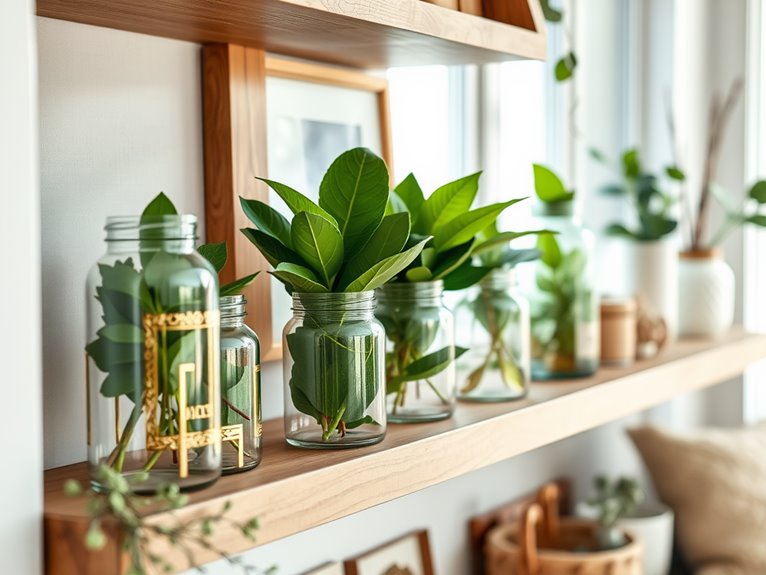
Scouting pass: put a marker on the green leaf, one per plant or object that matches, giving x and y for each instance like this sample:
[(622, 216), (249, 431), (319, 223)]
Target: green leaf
[(301, 401), (319, 243), (613, 190), (159, 206), (386, 241), (272, 249), (631, 164), (267, 219), (449, 260), (419, 274), (550, 13), (428, 365), (565, 67), (122, 333), (551, 253), (395, 205), (367, 419), (465, 276), (465, 226), (654, 226), (447, 203), (216, 254), (549, 187), (758, 220), (675, 173), (411, 194), (236, 287), (383, 271), (123, 379), (503, 238), (302, 279), (355, 192), (598, 155), (723, 197), (515, 257), (296, 201), (620, 231), (758, 192)]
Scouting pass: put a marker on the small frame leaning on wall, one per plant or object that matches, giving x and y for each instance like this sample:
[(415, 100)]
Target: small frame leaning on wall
[(408, 555), (285, 120)]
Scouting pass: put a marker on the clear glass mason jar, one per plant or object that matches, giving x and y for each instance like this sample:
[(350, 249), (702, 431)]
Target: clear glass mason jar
[(153, 356), (334, 372), (493, 324), (563, 298), (420, 351), (241, 419)]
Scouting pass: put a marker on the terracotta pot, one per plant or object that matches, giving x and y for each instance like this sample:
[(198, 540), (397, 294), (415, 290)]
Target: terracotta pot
[(706, 293)]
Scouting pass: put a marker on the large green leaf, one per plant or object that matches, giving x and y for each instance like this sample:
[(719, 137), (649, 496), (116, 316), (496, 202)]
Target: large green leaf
[(296, 201), (447, 203), (122, 333), (395, 204), (355, 192), (319, 243), (419, 274), (549, 187), (236, 287), (654, 226), (124, 379), (383, 271), (465, 276), (216, 254), (503, 238), (267, 219), (631, 164), (449, 260), (758, 192), (551, 253), (411, 194), (465, 226), (386, 241), (272, 249), (758, 220), (302, 279), (427, 366), (159, 206), (620, 231)]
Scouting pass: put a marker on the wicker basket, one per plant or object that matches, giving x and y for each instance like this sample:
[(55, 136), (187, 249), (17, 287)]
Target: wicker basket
[(544, 544)]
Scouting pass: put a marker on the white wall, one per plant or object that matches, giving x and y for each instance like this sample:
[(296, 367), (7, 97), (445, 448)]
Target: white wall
[(120, 120), (21, 423)]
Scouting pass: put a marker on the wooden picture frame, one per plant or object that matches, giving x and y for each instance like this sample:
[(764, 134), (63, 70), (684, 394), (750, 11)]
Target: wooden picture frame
[(331, 568), (363, 564), (235, 150)]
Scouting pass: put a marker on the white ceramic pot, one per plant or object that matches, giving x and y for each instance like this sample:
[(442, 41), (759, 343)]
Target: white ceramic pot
[(706, 293), (652, 524), (651, 274)]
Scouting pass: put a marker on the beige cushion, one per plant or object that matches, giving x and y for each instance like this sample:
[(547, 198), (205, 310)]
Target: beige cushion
[(715, 481)]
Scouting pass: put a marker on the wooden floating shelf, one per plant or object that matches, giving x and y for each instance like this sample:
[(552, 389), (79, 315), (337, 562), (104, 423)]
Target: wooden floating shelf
[(357, 33), (294, 490)]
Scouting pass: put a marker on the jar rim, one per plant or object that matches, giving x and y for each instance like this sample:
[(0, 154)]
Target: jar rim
[(165, 227), (334, 301)]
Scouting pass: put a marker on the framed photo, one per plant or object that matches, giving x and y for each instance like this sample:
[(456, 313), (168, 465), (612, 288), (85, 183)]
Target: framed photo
[(285, 120), (327, 569), (409, 555)]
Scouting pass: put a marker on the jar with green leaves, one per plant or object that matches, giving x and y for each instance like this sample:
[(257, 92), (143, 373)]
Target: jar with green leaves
[(421, 352), (562, 292), (153, 354), (331, 257)]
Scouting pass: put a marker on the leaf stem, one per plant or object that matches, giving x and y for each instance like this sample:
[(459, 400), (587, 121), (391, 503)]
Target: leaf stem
[(334, 423)]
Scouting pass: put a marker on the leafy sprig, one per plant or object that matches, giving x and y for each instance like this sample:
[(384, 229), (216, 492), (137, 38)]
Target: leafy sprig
[(612, 501), (117, 504)]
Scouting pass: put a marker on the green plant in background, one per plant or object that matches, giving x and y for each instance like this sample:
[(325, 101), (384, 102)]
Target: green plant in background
[(345, 243), (118, 508), (126, 294), (495, 310), (612, 501), (560, 281), (641, 189), (456, 232), (566, 64), (739, 213)]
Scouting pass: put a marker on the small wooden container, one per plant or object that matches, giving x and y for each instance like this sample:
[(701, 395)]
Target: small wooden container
[(619, 329), (472, 7)]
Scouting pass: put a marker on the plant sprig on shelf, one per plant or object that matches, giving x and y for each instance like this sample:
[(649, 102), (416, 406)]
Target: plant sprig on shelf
[(118, 505), (642, 189), (344, 243), (612, 501)]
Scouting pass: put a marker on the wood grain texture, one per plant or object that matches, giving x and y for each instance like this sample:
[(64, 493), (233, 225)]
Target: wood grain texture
[(295, 489), (358, 33), (66, 554)]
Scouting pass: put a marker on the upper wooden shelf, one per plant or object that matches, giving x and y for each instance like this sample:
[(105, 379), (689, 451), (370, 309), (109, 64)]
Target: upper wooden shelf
[(294, 490), (357, 33)]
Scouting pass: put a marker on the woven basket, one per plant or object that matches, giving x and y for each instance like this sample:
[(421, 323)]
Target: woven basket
[(544, 544)]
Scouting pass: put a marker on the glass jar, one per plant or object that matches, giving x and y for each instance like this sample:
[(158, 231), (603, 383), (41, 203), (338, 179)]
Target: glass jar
[(241, 420), (152, 356), (493, 324), (333, 371), (564, 301), (420, 351)]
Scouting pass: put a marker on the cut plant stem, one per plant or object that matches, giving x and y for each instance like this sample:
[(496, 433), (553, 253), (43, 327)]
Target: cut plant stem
[(334, 423)]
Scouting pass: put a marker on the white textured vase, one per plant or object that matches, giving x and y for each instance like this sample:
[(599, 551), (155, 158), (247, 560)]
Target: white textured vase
[(651, 274), (706, 288)]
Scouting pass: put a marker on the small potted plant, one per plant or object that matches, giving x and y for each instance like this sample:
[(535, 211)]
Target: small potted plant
[(331, 257), (420, 359), (651, 265), (562, 290)]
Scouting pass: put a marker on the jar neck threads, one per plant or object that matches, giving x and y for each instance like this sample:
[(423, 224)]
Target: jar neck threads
[(232, 311), (343, 306), (406, 293)]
